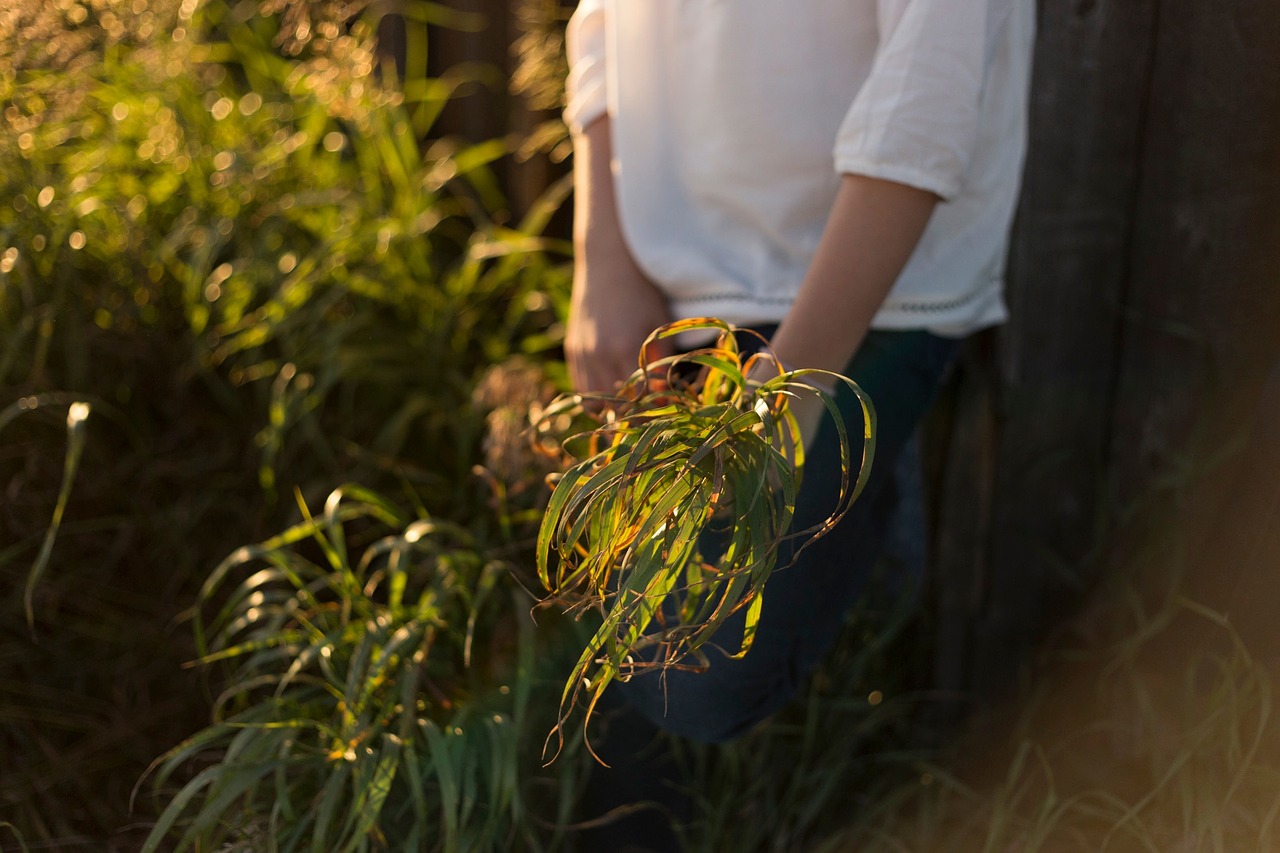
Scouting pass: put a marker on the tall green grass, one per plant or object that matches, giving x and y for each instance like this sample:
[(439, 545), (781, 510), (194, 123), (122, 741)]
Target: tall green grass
[(233, 247), (382, 675), (232, 244)]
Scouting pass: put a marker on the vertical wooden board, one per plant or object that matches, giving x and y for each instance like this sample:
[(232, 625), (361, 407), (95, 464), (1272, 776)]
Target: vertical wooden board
[(963, 428), (1067, 273), (487, 108), (481, 110), (1201, 316), (1233, 514)]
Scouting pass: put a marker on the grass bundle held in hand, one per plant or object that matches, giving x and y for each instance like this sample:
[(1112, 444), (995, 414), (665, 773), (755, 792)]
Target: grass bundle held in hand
[(669, 460)]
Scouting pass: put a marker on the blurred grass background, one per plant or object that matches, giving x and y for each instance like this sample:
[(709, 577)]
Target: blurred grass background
[(228, 238)]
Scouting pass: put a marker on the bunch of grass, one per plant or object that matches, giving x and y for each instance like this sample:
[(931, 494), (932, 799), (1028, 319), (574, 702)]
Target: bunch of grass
[(668, 461), (379, 695), (277, 220)]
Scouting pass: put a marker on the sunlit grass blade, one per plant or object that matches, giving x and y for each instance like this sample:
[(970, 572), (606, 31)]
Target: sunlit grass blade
[(17, 836), (77, 414), (362, 705)]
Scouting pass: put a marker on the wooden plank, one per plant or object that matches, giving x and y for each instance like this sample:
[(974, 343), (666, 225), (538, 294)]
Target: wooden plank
[(1056, 358), (1201, 316), (1233, 569), (487, 108), (962, 427), (482, 109)]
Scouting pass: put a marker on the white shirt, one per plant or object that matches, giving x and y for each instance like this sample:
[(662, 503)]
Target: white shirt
[(732, 121)]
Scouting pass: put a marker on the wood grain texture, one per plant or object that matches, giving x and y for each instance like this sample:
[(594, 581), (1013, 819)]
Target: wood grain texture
[(1143, 283), (1056, 358), (962, 429), (1200, 318)]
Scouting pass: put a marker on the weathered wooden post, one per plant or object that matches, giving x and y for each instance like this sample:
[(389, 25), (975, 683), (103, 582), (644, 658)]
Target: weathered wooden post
[(1143, 285)]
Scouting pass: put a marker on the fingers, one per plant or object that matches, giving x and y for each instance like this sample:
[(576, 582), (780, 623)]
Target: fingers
[(598, 370), (611, 315), (597, 366)]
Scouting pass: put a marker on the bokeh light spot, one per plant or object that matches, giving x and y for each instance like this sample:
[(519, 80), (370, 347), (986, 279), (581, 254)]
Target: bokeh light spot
[(334, 141)]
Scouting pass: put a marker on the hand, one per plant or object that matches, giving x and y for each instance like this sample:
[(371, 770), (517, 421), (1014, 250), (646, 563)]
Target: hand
[(615, 306), (613, 310)]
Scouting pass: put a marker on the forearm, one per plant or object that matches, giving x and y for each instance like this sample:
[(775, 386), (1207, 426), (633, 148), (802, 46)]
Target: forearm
[(614, 306), (596, 227), (873, 229)]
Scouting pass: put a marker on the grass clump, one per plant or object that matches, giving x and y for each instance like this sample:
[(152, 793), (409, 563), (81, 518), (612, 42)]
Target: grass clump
[(1123, 749), (673, 457), (381, 673), (1149, 723)]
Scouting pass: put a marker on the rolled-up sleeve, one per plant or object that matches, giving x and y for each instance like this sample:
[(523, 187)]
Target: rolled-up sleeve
[(586, 89), (915, 119)]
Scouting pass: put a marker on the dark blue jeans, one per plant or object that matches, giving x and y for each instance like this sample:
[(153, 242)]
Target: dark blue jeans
[(805, 605)]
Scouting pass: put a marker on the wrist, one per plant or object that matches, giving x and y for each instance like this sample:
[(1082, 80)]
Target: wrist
[(815, 377), (598, 238)]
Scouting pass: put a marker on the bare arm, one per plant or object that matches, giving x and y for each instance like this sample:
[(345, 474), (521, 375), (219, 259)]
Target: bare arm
[(614, 305), (873, 229)]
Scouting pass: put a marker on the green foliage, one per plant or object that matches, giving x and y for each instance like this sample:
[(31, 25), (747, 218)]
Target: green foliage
[(276, 216), (220, 230), (379, 698), (224, 236), (668, 461)]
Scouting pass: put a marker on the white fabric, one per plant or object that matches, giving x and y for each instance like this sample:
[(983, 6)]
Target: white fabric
[(733, 119)]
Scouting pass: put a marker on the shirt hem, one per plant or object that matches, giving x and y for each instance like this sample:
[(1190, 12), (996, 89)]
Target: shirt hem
[(951, 316)]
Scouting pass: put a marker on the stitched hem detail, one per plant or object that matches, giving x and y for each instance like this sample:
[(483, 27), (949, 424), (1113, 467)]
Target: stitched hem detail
[(735, 297), (927, 307), (916, 307)]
